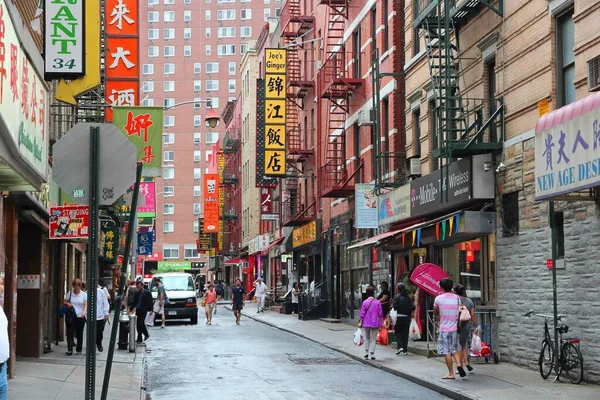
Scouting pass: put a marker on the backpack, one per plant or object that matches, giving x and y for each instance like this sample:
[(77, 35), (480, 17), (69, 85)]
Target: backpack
[(219, 289)]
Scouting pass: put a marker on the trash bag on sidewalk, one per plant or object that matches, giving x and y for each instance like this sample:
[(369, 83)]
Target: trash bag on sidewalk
[(382, 337), (358, 339), (149, 320), (414, 332)]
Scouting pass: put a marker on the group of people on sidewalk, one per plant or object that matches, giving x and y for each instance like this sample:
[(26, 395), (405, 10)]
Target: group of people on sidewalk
[(455, 315)]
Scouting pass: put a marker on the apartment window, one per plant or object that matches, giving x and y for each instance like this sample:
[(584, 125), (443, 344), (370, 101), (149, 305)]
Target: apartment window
[(197, 191), (169, 86), (207, 50), (169, 121), (357, 150), (197, 155), (169, 68), (153, 51), (152, 2), (169, 16), (148, 87), (168, 209), (187, 50), (168, 173), (187, 33), (246, 31), (212, 137), (196, 227), (243, 48), (212, 67), (169, 33), (187, 1), (197, 173), (385, 32), (510, 214), (197, 138), (197, 85), (267, 14), (416, 123), (153, 34), (153, 16), (385, 126), (187, 15), (267, 1), (197, 68), (416, 41), (226, 49), (277, 12), (168, 138), (246, 13), (226, 32), (169, 51), (491, 96), (169, 191), (197, 208), (197, 120), (148, 103), (207, 15), (208, 155), (212, 102), (232, 98), (168, 156), (190, 250), (226, 15), (197, 102), (356, 50), (148, 69), (232, 67), (168, 226), (169, 2), (433, 133), (232, 86), (565, 60), (212, 84), (169, 102), (559, 225), (170, 251), (208, 32)]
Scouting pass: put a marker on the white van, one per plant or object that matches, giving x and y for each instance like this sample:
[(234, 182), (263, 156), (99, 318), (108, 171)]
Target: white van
[(181, 294)]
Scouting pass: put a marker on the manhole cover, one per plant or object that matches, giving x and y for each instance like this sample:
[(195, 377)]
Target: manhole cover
[(315, 361)]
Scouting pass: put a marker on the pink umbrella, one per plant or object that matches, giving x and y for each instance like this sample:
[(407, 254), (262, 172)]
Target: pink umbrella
[(427, 277)]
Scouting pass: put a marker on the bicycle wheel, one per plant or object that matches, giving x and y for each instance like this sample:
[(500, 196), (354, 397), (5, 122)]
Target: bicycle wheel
[(572, 362), (546, 360)]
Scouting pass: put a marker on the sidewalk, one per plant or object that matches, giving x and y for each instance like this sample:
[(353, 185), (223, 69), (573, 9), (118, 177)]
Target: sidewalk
[(58, 376), (487, 381)]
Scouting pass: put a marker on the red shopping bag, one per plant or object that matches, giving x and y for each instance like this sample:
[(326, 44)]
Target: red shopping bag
[(382, 337)]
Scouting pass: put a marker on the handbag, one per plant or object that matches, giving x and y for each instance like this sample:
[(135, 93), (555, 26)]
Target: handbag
[(360, 321), (203, 303), (68, 312), (464, 313)]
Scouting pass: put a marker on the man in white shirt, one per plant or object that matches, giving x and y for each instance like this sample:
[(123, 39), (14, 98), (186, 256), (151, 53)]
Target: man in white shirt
[(102, 315), (260, 293), (4, 346)]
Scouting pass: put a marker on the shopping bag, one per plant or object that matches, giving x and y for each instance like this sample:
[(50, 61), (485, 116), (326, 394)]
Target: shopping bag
[(358, 339), (414, 332), (393, 316), (475, 342), (382, 337), (149, 319)]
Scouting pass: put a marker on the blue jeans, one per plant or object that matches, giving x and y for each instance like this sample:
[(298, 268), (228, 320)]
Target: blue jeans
[(3, 383)]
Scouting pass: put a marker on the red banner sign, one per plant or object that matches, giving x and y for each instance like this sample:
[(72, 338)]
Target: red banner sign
[(266, 200), (211, 203), (69, 222)]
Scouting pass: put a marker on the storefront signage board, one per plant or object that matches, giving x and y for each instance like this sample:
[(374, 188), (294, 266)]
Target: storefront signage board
[(394, 205), (64, 49), (305, 234), (366, 206), (167, 266)]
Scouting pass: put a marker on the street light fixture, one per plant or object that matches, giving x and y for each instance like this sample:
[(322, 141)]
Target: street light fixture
[(212, 118)]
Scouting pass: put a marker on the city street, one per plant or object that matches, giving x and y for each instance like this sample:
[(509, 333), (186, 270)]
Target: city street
[(255, 361)]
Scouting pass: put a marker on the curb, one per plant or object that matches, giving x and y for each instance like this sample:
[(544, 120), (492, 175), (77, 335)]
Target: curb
[(414, 379)]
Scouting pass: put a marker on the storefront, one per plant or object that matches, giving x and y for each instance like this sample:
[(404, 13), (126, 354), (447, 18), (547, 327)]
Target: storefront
[(257, 265), (306, 266)]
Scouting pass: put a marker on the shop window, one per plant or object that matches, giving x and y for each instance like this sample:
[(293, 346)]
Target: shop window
[(510, 214), (463, 263)]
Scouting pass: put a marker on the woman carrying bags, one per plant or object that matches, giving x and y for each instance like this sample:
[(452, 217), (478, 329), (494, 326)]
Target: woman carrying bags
[(76, 300), (405, 308), (371, 320)]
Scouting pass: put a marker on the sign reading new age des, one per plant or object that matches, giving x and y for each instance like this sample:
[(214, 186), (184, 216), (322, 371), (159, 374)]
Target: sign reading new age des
[(567, 153), (64, 49)]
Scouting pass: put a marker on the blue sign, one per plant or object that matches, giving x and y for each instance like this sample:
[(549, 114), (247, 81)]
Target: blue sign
[(145, 241)]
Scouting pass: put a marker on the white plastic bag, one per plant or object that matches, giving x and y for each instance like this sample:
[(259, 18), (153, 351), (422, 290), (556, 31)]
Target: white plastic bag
[(149, 319), (393, 316), (358, 340), (475, 342), (414, 333)]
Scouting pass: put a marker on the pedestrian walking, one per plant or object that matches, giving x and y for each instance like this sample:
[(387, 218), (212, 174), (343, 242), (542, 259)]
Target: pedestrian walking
[(161, 298), (102, 284), (405, 308), (220, 289), (76, 299), (466, 327), (237, 300), (295, 295), (143, 306), (260, 293), (102, 315), (210, 297), (4, 346), (445, 307), (130, 296), (371, 320)]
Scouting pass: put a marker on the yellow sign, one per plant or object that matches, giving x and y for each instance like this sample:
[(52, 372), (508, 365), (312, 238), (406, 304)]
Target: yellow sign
[(304, 234), (66, 92), (543, 107), (275, 61), (275, 111), (275, 86), (275, 162), (275, 137)]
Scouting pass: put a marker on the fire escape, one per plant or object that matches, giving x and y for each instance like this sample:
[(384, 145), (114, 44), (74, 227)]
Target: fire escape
[(296, 33), (336, 88), (231, 147), (464, 129)]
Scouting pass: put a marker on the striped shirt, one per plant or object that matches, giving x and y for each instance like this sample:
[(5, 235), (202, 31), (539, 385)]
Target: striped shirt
[(447, 303)]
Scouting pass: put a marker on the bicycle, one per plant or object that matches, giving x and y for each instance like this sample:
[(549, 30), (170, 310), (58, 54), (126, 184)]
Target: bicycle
[(570, 359)]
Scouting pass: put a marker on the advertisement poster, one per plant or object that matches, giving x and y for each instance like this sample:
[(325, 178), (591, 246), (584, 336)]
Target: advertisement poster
[(147, 191), (366, 206), (145, 241), (69, 222)]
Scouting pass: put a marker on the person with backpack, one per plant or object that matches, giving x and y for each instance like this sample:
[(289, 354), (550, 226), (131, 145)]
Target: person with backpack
[(220, 289), (405, 308)]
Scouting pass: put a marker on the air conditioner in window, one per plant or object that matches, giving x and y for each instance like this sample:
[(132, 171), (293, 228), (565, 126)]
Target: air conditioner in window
[(365, 118), (413, 166), (319, 64), (594, 74)]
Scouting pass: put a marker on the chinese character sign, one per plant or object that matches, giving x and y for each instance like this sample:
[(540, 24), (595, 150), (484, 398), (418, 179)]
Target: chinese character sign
[(69, 222), (266, 201), (211, 203), (274, 139), (64, 39), (262, 180), (111, 243), (567, 151), (143, 127), (148, 210)]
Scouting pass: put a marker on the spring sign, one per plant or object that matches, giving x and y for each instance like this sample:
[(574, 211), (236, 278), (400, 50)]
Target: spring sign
[(64, 39)]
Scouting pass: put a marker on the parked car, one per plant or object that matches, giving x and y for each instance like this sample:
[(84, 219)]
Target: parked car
[(181, 293)]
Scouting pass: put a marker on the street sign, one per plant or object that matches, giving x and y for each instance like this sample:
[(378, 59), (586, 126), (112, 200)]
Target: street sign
[(71, 155), (69, 222)]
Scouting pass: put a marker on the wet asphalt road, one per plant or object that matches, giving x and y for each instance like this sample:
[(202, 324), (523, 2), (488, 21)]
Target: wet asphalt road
[(254, 361)]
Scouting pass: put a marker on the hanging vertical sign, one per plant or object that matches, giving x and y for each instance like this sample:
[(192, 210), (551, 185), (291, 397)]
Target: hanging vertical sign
[(275, 112), (221, 169), (261, 179), (211, 203), (64, 49), (122, 56), (111, 243)]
